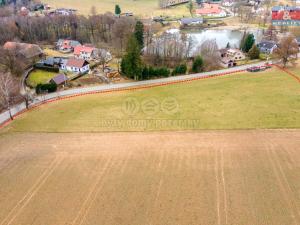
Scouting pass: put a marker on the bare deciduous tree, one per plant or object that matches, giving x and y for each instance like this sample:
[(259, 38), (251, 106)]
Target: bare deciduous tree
[(8, 90), (209, 51), (287, 50)]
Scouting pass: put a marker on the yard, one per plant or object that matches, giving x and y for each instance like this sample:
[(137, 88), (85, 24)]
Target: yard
[(144, 8), (39, 77), (268, 99)]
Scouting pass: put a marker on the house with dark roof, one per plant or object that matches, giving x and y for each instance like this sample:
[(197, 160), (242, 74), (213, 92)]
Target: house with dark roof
[(59, 79), (59, 62), (28, 52), (77, 66), (191, 21), (267, 47)]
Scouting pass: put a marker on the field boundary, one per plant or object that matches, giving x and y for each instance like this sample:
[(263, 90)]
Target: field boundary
[(288, 72)]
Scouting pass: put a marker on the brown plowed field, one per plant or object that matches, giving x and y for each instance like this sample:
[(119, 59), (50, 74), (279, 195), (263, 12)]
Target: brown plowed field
[(158, 178)]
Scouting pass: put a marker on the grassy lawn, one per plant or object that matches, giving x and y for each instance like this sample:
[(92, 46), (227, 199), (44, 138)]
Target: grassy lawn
[(145, 8), (53, 53), (269, 99), (39, 77)]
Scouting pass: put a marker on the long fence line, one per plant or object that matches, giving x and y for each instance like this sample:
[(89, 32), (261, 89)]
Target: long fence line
[(67, 94)]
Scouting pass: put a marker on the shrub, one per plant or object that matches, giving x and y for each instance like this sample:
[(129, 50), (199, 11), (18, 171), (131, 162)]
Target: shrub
[(42, 88), (198, 65), (181, 69), (254, 52), (149, 72)]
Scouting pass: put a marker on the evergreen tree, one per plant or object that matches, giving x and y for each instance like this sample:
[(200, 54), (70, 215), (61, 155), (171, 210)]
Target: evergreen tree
[(117, 10), (131, 64), (139, 33), (228, 45), (249, 42), (197, 65), (254, 52)]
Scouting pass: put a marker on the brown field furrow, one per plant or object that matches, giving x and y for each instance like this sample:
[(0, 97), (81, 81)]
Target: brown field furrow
[(282, 186), (217, 188), (287, 184), (21, 204), (224, 185), (158, 178), (80, 217)]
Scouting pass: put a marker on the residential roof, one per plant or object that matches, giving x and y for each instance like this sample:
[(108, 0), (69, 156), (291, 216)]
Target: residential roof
[(25, 49), (267, 44), (191, 20), (83, 48), (59, 79), (68, 43), (78, 63), (209, 9)]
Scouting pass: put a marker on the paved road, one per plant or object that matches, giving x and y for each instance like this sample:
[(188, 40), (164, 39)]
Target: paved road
[(18, 108)]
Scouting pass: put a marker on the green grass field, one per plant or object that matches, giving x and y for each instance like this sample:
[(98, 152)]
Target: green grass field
[(269, 99), (39, 77), (144, 8)]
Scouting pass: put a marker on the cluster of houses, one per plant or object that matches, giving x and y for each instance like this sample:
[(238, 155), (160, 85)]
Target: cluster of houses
[(82, 55), (78, 63)]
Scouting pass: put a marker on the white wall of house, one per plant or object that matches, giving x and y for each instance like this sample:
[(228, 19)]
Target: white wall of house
[(84, 55), (77, 69)]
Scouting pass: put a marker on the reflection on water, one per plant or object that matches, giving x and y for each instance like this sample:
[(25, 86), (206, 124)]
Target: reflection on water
[(222, 37)]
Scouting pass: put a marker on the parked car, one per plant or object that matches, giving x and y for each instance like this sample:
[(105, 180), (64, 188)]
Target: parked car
[(254, 69)]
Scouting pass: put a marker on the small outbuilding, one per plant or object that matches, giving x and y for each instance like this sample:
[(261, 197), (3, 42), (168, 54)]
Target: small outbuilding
[(60, 79)]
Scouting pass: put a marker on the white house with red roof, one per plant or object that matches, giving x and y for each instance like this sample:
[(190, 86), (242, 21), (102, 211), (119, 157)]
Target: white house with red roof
[(211, 10), (84, 52), (77, 66)]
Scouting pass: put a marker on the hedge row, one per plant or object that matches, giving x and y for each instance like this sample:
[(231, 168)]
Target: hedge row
[(46, 68), (46, 88)]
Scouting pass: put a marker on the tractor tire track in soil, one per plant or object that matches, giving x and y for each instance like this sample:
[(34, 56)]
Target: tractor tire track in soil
[(283, 183), (87, 204), (21, 204)]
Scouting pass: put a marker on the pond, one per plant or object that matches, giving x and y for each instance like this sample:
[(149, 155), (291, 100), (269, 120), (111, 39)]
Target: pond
[(222, 37)]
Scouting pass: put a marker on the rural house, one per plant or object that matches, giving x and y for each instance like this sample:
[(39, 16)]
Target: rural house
[(83, 52), (234, 54), (59, 62), (77, 66), (25, 51), (191, 21), (211, 10), (67, 45), (267, 47)]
